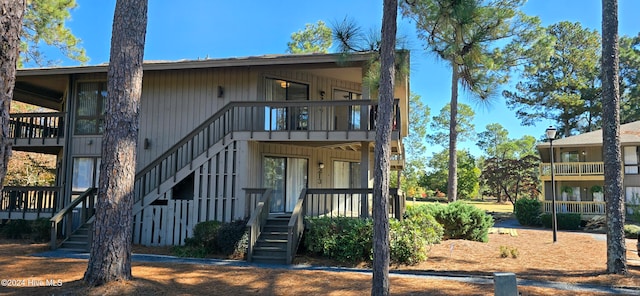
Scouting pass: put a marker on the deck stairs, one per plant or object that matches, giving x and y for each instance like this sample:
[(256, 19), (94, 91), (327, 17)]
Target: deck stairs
[(271, 246), (78, 241)]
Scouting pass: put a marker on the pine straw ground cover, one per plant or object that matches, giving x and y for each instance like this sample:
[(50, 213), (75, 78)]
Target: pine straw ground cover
[(576, 257)]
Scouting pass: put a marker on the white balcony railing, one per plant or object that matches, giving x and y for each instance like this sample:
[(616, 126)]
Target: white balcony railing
[(573, 168), (580, 207)]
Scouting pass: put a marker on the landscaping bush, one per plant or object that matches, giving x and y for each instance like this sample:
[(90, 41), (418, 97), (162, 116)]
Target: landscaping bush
[(213, 237), (232, 238), (528, 211), (459, 219), (15, 229), (41, 230), (350, 240), (412, 237), (566, 221), (204, 235), (631, 231), (345, 239)]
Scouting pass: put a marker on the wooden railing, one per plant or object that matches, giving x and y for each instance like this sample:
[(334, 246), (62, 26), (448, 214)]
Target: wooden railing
[(84, 204), (295, 227), (580, 207), (252, 198), (18, 202), (347, 202), (573, 168), (36, 126), (257, 221), (253, 116)]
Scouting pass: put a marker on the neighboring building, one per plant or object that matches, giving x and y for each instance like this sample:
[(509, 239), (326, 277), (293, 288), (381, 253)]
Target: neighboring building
[(214, 134), (579, 171)]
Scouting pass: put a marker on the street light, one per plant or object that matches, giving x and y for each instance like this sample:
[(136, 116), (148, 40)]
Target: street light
[(551, 134)]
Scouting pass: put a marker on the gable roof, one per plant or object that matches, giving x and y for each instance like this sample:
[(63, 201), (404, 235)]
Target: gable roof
[(629, 134)]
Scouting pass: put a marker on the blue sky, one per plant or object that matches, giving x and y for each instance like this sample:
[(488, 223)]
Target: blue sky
[(216, 29)]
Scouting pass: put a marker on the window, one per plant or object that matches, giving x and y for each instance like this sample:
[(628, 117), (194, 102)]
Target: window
[(86, 173), (283, 118), (346, 174), (352, 112), (632, 199), (631, 160), (569, 156), (90, 105)]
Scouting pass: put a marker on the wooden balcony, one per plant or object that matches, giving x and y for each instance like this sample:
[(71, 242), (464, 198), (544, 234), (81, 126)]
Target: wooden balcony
[(37, 132), (28, 203), (576, 171)]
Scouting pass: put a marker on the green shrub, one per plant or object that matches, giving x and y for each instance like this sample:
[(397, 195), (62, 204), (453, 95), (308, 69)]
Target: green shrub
[(528, 211), (213, 237), (341, 238), (41, 230), (566, 221), (189, 251), (412, 237), (350, 240), (230, 237), (204, 236), (631, 231), (459, 219), (17, 229)]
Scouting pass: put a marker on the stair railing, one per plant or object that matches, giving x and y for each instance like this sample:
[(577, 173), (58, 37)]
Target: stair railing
[(258, 220), (295, 228), (86, 201), (235, 116)]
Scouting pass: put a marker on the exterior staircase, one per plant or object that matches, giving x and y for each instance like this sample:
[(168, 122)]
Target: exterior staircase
[(271, 246), (78, 241)]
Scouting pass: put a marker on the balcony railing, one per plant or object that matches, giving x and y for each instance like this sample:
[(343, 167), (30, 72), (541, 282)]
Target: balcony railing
[(269, 118), (28, 202), (573, 169), (348, 202), (36, 126), (580, 207)]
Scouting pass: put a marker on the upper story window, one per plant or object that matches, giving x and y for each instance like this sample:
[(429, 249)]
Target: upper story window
[(631, 156), (293, 118), (570, 156), (90, 105)]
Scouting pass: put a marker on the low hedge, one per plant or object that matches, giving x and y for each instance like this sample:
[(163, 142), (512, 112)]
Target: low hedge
[(351, 239), (215, 238), (566, 221)]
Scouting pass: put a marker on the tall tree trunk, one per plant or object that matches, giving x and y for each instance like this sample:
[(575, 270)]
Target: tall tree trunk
[(10, 28), (383, 151), (110, 258), (616, 249), (452, 186)]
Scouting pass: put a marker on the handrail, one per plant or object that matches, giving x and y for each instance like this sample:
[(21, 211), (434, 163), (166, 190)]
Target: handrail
[(224, 122), (87, 212), (257, 221), (295, 227)]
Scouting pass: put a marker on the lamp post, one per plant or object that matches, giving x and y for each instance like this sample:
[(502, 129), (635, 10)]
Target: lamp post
[(551, 134)]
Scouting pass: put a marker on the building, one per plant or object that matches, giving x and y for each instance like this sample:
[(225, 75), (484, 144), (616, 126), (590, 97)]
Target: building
[(214, 136), (579, 171)]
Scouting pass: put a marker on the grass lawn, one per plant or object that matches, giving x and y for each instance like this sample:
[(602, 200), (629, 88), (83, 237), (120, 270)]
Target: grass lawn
[(489, 205)]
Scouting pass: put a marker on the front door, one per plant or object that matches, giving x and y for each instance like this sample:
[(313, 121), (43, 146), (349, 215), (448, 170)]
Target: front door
[(286, 177)]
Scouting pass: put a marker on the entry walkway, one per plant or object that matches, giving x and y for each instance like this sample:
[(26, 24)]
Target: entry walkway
[(473, 279)]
